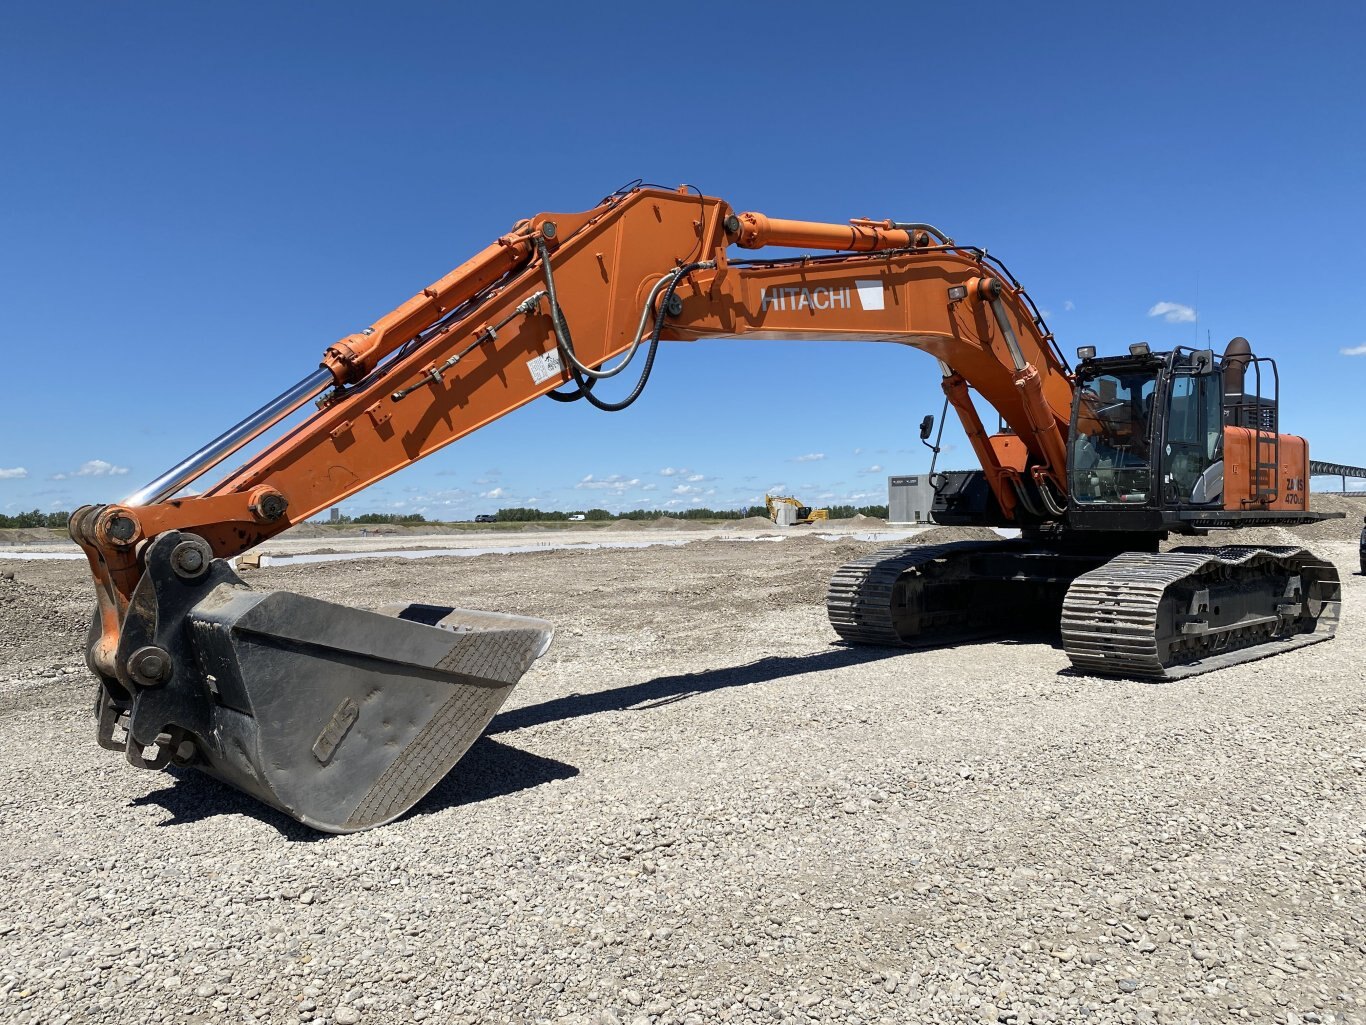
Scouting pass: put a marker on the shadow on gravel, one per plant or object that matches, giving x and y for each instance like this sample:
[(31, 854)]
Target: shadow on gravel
[(665, 690), (194, 797), (488, 770)]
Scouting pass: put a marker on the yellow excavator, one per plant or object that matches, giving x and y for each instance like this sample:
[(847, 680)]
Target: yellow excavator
[(786, 511)]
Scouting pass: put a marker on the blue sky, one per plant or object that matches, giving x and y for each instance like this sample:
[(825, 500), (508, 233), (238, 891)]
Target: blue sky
[(198, 199)]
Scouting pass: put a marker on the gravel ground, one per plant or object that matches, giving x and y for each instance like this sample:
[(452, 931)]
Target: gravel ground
[(696, 808)]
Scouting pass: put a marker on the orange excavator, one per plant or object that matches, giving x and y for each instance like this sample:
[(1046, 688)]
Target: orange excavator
[(344, 718)]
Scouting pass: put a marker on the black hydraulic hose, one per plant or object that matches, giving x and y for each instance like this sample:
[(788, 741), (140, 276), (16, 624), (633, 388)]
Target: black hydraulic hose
[(614, 407), (586, 385), (569, 396), (583, 385)]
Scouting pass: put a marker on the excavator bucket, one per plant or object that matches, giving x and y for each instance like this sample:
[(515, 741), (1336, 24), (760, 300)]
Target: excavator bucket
[(339, 717)]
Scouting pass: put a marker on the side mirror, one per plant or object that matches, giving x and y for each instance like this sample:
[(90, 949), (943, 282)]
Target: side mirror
[(926, 426), (1202, 361)]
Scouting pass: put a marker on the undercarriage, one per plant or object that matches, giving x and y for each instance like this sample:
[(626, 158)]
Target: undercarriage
[(1137, 614)]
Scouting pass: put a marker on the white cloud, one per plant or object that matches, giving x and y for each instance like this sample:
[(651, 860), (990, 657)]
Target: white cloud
[(673, 471), (810, 457), (1356, 350), (495, 493), (1045, 313), (875, 468), (1173, 313), (616, 482), (93, 468), (649, 487), (686, 489), (13, 473), (695, 477), (99, 468), (1068, 305)]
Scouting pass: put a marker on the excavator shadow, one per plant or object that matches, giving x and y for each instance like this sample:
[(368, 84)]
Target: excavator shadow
[(489, 770), (665, 690)]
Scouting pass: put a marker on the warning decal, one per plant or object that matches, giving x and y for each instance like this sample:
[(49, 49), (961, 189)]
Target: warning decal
[(545, 366)]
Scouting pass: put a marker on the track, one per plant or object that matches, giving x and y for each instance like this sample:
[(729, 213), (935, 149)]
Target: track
[(916, 596), (861, 599), (1152, 616), (1192, 610)]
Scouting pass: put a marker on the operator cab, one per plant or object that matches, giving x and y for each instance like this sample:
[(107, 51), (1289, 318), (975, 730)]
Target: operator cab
[(1146, 450)]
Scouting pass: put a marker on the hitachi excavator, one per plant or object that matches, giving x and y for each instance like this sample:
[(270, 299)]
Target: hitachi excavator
[(344, 718)]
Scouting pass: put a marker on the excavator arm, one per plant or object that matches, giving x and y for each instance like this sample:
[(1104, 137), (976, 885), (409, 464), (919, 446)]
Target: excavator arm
[(560, 302), (486, 339)]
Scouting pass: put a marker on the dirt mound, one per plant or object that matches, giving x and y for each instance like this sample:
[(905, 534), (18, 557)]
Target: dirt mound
[(858, 520), (45, 625), (756, 522), (1346, 529), (942, 535), (32, 535)]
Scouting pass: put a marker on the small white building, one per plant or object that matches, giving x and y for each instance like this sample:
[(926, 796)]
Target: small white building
[(909, 499)]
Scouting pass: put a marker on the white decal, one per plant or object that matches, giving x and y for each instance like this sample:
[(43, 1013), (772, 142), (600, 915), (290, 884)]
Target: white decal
[(821, 297), (545, 366), (870, 294)]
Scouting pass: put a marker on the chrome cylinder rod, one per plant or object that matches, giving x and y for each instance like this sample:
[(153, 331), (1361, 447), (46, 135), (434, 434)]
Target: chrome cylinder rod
[(230, 441)]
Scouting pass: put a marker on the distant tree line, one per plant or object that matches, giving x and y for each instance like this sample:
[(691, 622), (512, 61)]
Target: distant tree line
[(838, 512), (36, 519), (408, 518)]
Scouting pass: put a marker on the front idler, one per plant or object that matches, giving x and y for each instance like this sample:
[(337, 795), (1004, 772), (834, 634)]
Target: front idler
[(339, 717)]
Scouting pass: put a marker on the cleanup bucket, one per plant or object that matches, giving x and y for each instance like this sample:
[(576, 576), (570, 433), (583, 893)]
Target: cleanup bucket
[(341, 718)]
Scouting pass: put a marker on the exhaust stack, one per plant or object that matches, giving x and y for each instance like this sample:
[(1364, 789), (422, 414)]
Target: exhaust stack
[(1237, 356)]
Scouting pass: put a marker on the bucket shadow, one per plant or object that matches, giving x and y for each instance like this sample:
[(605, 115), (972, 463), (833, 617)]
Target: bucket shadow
[(194, 797), (665, 690), (492, 769), (489, 770)]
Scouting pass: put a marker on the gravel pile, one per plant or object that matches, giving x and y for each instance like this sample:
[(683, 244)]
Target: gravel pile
[(943, 535), (45, 610), (1348, 528), (697, 809)]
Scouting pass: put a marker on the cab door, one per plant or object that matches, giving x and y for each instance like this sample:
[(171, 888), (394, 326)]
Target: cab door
[(1192, 453)]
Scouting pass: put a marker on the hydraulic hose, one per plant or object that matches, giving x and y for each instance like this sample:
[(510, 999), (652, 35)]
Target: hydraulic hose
[(585, 377)]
